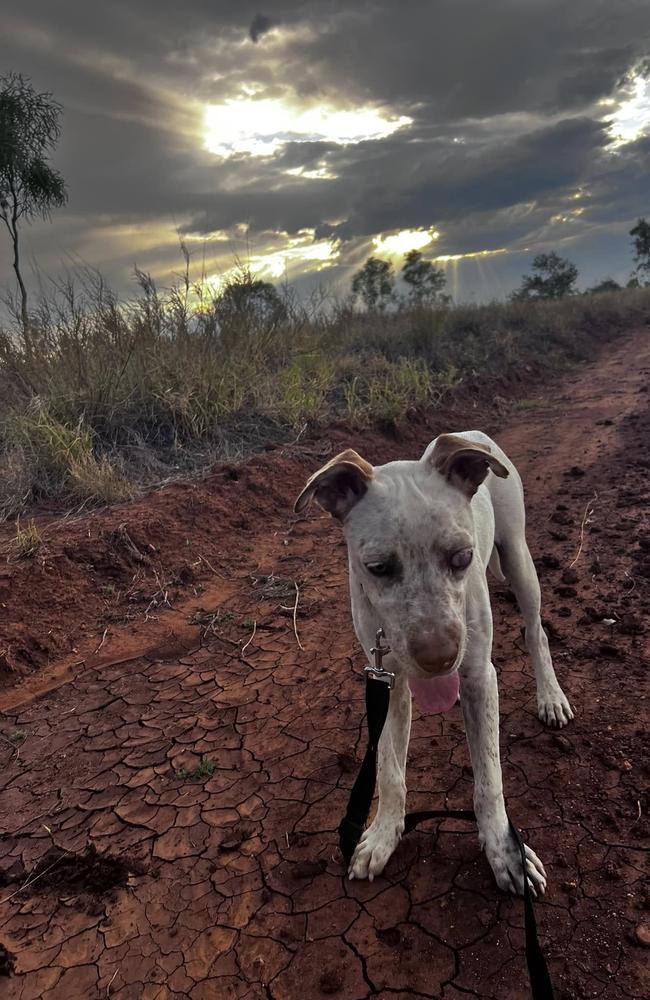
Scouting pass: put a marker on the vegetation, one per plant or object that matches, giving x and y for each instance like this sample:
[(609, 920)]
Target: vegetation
[(29, 186), (641, 242), (554, 278), (606, 285), (374, 284), (204, 769), (426, 282), (108, 395)]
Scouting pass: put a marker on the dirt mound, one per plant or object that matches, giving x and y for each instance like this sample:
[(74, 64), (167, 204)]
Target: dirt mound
[(65, 873)]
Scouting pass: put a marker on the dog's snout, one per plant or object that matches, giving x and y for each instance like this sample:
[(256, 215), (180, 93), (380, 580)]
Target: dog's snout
[(435, 654)]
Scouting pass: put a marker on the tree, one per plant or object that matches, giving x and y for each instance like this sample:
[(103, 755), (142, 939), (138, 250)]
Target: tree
[(641, 240), (425, 280), (29, 186), (374, 283), (606, 285), (252, 300), (555, 277)]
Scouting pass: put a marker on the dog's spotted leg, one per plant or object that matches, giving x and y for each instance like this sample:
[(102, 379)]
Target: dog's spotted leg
[(384, 833)]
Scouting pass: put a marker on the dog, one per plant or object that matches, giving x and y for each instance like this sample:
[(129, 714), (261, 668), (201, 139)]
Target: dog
[(420, 537)]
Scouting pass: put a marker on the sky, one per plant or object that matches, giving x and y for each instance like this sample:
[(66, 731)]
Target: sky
[(300, 138)]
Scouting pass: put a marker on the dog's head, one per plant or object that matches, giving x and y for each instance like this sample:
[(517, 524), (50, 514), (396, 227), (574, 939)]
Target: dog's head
[(410, 534)]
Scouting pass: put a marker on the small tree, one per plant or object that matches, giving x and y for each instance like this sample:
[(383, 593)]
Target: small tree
[(251, 300), (29, 186), (556, 277), (606, 285), (425, 280), (374, 284), (641, 240)]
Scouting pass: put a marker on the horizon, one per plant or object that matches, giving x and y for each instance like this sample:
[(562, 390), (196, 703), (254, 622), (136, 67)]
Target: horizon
[(301, 139)]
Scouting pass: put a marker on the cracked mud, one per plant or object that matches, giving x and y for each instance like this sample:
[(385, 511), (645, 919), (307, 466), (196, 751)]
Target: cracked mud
[(169, 806)]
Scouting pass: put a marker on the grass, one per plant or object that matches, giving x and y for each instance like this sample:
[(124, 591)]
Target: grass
[(204, 769), (27, 541), (107, 396)]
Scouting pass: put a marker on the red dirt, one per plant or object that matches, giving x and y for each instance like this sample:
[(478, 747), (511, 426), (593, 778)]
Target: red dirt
[(229, 879)]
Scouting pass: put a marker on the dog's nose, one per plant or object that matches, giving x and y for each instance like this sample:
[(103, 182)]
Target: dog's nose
[(435, 654)]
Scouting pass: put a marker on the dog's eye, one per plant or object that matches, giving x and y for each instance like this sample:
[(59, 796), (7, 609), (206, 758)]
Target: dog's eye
[(380, 568), (461, 559)]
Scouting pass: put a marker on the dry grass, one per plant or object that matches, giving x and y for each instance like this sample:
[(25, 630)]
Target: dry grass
[(27, 541), (111, 395)]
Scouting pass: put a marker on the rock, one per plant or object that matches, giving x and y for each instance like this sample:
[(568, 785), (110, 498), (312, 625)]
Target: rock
[(642, 935)]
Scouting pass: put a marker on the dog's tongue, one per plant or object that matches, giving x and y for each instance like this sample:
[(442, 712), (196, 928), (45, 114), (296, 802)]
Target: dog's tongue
[(436, 694)]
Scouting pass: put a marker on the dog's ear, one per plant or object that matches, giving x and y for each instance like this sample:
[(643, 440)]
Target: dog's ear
[(338, 486), (465, 463)]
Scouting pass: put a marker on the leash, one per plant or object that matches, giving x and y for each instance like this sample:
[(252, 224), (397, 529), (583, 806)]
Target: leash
[(379, 683)]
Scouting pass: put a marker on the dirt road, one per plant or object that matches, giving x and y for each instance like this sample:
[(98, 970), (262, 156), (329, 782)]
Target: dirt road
[(169, 805)]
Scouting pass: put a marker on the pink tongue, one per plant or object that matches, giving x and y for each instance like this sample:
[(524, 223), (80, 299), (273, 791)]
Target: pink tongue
[(437, 694)]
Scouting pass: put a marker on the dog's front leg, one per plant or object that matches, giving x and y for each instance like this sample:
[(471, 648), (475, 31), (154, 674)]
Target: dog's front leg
[(383, 835), (480, 705)]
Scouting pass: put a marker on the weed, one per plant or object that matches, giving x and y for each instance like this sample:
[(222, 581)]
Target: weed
[(204, 769)]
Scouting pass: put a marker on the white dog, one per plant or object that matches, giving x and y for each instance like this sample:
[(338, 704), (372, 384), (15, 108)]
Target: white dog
[(420, 536)]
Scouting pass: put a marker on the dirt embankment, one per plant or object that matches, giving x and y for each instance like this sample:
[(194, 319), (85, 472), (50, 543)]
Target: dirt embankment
[(184, 780)]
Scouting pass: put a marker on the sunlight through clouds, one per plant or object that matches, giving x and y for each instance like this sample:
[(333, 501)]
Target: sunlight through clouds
[(632, 117), (300, 254), (261, 127), (405, 240), (446, 258)]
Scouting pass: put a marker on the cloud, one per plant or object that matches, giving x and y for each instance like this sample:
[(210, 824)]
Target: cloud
[(259, 26), (503, 101)]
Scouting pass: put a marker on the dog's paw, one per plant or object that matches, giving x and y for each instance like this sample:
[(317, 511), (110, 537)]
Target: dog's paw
[(553, 708), (375, 848), (505, 861)]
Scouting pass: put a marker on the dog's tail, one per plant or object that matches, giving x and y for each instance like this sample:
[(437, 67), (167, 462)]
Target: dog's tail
[(494, 566)]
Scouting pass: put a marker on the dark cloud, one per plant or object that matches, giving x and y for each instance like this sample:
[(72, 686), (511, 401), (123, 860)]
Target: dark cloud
[(259, 26)]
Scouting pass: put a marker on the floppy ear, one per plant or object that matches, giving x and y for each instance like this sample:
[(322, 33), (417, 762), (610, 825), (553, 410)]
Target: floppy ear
[(338, 486), (465, 463)]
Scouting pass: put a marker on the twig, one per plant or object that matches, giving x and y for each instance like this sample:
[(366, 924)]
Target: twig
[(210, 566), (586, 515), (108, 988), (102, 642), (30, 880), (302, 431), (295, 612), (244, 648)]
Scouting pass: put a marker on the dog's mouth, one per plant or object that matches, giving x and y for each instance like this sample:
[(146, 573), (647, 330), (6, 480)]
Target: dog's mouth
[(436, 694)]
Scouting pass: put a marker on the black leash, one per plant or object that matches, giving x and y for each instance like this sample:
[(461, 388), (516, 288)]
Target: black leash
[(378, 687)]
